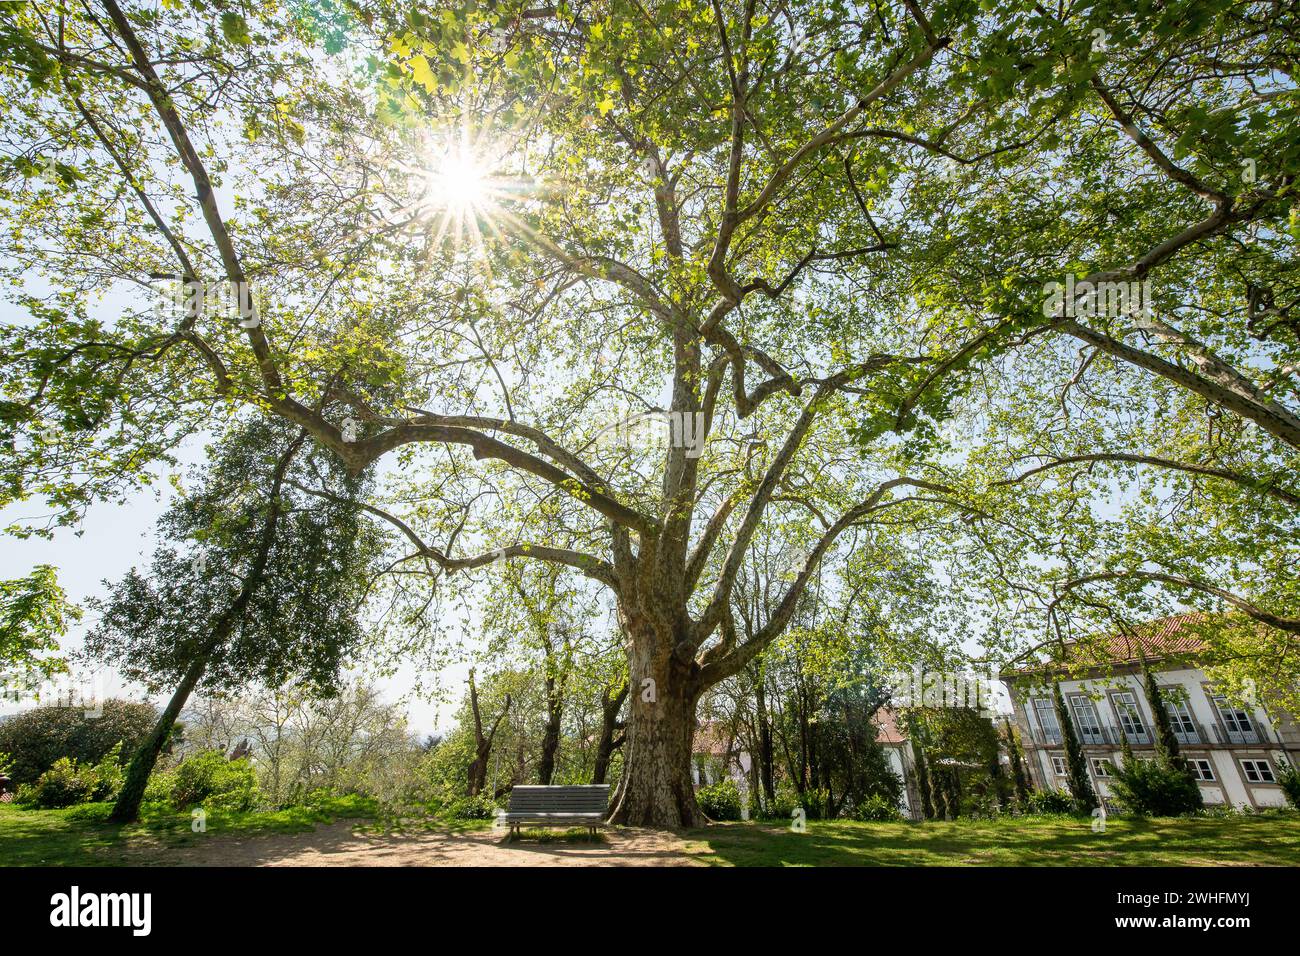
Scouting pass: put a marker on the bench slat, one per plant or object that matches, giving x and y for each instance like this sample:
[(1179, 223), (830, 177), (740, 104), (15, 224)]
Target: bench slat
[(581, 804)]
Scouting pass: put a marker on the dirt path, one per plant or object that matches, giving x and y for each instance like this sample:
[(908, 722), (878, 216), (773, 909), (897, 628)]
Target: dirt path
[(337, 845)]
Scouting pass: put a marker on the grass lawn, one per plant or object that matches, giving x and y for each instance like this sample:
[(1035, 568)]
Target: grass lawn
[(81, 836), (1012, 841)]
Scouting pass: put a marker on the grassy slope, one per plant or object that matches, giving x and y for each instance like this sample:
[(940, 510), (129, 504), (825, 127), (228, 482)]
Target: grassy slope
[(1023, 841)]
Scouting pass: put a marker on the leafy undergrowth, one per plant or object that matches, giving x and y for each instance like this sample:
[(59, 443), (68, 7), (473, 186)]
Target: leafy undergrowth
[(1271, 840), (82, 835)]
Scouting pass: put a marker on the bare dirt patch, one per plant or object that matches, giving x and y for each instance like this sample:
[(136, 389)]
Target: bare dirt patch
[(339, 844)]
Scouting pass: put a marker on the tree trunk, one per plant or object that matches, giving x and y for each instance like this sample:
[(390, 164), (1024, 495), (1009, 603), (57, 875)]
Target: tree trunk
[(656, 789), (922, 773), (127, 808), (551, 735), (610, 705), (765, 755), (477, 774)]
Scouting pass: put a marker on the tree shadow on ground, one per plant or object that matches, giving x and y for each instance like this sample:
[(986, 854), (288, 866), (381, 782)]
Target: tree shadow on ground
[(1028, 842)]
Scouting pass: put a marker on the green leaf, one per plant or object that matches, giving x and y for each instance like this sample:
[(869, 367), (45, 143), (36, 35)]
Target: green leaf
[(235, 28)]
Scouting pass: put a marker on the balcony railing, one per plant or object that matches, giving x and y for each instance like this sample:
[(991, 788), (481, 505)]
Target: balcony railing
[(1196, 735), (1108, 735), (1256, 735)]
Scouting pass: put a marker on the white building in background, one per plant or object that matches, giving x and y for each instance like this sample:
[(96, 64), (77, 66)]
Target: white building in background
[(1234, 751)]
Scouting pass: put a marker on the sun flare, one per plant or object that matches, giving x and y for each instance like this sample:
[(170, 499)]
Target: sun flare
[(458, 182), (465, 187)]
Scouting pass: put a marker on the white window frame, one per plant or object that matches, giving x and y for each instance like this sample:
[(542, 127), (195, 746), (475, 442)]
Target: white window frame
[(1058, 765), (1252, 763), (1180, 717), (1202, 769), (1129, 713), (1233, 718), (1099, 767), (1081, 706), (1052, 732)]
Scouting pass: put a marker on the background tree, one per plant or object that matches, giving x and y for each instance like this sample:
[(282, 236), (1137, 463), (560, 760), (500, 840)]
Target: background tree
[(300, 742), (252, 581), (1076, 767), (34, 613), (477, 776), (1016, 755)]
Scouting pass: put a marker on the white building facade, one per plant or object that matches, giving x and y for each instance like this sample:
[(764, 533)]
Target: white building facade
[(1235, 750)]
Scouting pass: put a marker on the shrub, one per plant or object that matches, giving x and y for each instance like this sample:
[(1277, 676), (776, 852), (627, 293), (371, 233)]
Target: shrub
[(1050, 801), (719, 801), (470, 808), (816, 804), (783, 806), (68, 783), (877, 809), (1154, 788), (160, 786), (1289, 779), (208, 778), (36, 738)]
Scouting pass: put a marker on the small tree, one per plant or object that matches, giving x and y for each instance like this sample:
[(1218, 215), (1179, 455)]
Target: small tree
[(255, 579), (1166, 742), (1019, 777), (1076, 770), (612, 728)]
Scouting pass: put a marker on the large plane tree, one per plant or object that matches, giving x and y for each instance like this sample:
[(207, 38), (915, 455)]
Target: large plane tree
[(613, 285)]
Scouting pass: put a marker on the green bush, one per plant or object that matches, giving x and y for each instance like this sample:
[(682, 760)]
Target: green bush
[(36, 738), (1154, 788), (1289, 779), (1050, 801), (719, 801), (160, 786), (209, 779), (68, 783), (816, 804), (877, 809), (783, 806), (470, 808)]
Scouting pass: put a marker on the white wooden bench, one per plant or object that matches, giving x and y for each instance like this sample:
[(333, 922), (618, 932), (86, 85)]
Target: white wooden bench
[(583, 805)]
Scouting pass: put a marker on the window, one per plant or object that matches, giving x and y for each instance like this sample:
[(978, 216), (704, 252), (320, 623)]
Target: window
[(1047, 720), (1058, 764), (1085, 719), (1100, 766), (1258, 771), (1130, 718), (1200, 768), (1235, 721), (1180, 717)]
